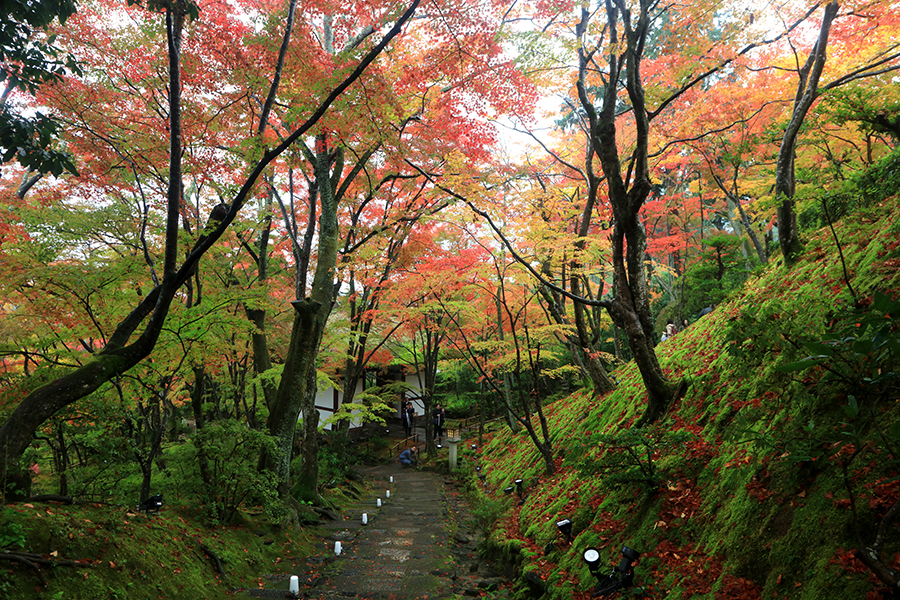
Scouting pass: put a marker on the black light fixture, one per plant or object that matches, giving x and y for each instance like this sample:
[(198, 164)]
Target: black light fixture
[(151, 504), (629, 555), (520, 486), (622, 575), (565, 528), (508, 490), (474, 447)]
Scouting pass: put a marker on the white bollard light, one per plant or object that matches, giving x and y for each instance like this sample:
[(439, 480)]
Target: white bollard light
[(295, 585), (378, 502), (387, 493), (392, 479), (337, 548), (365, 519)]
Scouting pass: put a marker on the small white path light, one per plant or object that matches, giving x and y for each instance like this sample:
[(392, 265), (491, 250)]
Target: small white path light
[(378, 502), (392, 479), (295, 585), (365, 519), (337, 548), (387, 494)]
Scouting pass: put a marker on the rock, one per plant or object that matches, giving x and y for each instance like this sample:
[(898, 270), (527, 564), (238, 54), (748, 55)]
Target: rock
[(462, 538), (441, 573), (490, 585)]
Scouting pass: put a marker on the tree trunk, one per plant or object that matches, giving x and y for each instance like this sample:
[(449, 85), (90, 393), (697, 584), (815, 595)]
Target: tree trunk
[(197, 398), (262, 361), (631, 307), (61, 459), (296, 397), (432, 349), (297, 391), (807, 92), (754, 239)]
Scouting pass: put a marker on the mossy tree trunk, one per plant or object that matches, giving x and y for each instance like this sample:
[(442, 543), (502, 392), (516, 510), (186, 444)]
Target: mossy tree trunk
[(296, 395)]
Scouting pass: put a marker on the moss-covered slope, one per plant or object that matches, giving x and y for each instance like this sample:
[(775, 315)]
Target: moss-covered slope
[(760, 482)]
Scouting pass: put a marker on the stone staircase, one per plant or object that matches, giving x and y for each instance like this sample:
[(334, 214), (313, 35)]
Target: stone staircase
[(418, 544)]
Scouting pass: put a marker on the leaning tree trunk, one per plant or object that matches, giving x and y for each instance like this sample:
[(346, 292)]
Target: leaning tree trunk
[(631, 307)]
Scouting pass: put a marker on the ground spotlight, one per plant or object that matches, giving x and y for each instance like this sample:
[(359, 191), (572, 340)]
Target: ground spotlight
[(592, 557), (508, 490), (565, 528), (622, 576)]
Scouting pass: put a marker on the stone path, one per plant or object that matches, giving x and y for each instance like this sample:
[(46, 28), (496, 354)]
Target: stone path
[(418, 544)]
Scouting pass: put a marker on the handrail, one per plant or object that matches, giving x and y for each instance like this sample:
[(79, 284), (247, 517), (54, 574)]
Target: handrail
[(405, 442), (465, 424)]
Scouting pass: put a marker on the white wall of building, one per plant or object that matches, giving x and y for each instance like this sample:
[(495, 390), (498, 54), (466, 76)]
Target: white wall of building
[(329, 399)]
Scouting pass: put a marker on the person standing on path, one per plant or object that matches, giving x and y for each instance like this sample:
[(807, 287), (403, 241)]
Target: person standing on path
[(438, 415), (404, 417), (410, 419)]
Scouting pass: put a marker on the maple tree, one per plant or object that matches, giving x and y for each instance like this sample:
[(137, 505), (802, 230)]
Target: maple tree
[(637, 68), (477, 303), (136, 335), (355, 177), (880, 58)]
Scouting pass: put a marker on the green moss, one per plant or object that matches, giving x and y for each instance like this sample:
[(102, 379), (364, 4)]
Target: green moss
[(737, 498), (134, 556)]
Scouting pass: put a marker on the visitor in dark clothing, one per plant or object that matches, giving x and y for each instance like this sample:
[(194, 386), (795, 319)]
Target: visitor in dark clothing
[(409, 457)]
